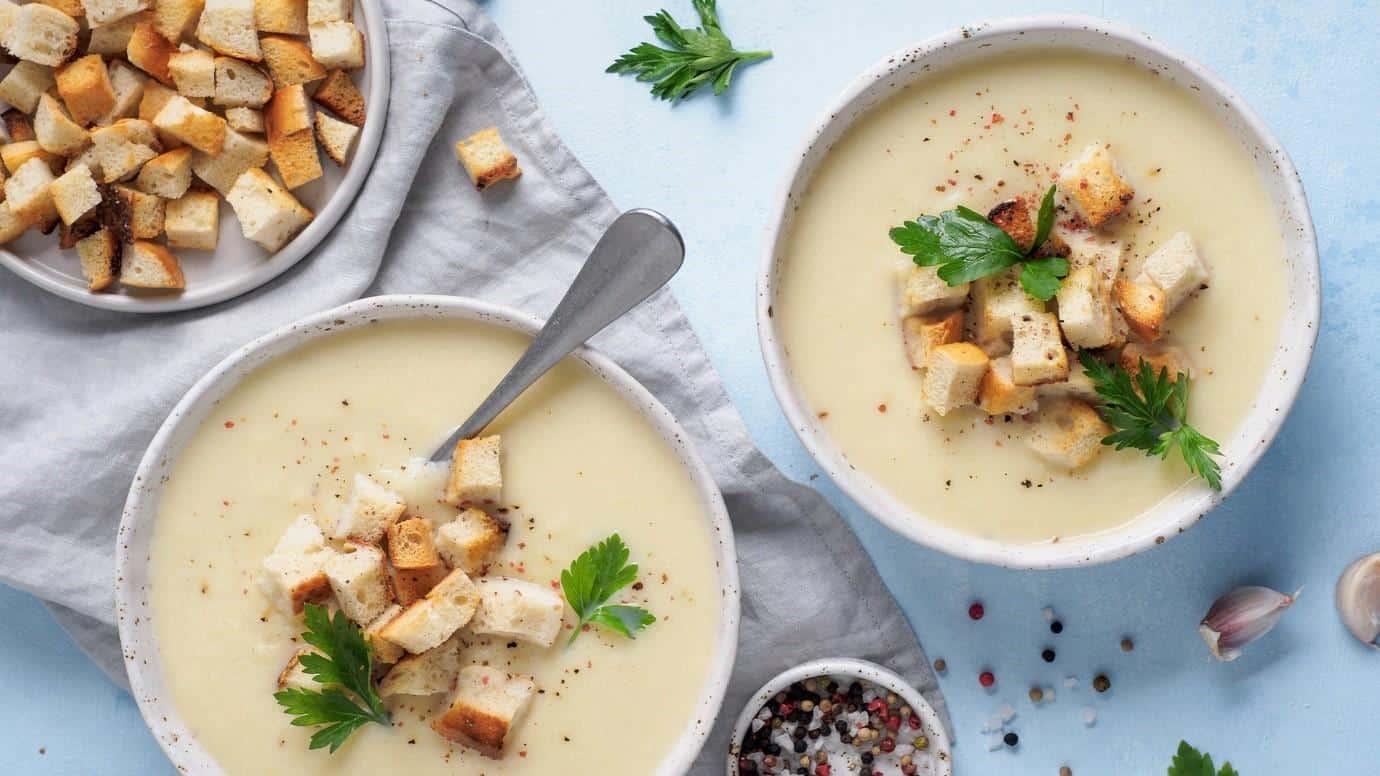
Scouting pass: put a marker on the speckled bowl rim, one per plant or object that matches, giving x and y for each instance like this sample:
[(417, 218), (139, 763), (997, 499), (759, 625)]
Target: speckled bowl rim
[(377, 70), (1298, 332), (858, 669), (138, 637)]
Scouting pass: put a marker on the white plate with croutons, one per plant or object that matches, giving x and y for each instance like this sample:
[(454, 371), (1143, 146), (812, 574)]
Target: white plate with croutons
[(166, 155)]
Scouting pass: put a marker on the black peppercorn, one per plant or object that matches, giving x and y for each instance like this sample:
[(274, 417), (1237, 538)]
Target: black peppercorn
[(1056, 627), (1048, 655), (1011, 739)]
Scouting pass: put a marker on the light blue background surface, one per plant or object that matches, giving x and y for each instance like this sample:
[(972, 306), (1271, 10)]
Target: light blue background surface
[(1302, 700)]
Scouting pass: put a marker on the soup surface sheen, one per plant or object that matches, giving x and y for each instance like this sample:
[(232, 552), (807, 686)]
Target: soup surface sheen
[(580, 463), (976, 135)]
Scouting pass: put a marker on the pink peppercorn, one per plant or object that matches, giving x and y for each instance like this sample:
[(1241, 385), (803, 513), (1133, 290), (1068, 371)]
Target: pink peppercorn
[(877, 704), (786, 709), (976, 611), (893, 722), (986, 679), (914, 722), (888, 744), (822, 769)]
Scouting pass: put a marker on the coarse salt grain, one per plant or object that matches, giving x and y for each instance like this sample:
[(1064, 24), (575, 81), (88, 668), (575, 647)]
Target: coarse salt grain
[(1049, 614), (1070, 682), (1089, 716), (994, 742), (1006, 712)]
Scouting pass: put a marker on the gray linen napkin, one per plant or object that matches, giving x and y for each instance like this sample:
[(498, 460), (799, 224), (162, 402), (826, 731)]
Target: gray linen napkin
[(82, 391)]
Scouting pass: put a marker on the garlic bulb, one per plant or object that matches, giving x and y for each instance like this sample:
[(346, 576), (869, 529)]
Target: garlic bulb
[(1358, 598), (1240, 617)]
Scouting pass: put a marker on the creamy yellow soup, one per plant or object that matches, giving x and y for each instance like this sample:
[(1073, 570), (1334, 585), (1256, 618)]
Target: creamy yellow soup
[(580, 463), (976, 135)]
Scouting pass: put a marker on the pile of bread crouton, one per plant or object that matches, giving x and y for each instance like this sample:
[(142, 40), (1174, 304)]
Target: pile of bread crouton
[(130, 119), (413, 586), (992, 345)]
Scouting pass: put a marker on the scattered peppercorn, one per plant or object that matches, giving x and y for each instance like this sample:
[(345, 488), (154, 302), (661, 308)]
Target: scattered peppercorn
[(1036, 695), (986, 679), (1056, 627), (1101, 683), (1127, 645), (941, 665), (1065, 771), (976, 611), (1011, 739), (1047, 655)]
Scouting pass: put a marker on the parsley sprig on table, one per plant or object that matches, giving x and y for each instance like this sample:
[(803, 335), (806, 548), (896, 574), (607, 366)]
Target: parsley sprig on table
[(347, 700), (1190, 762), (593, 579), (1149, 412), (966, 246), (696, 57)]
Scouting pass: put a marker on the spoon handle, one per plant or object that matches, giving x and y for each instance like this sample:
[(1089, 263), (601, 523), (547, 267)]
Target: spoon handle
[(641, 250)]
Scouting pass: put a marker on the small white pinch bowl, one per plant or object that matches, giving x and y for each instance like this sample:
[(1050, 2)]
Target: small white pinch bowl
[(1298, 331), (133, 583), (854, 668)]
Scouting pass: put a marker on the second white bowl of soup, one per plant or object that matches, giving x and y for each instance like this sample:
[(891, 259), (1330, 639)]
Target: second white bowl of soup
[(279, 434), (1002, 112)]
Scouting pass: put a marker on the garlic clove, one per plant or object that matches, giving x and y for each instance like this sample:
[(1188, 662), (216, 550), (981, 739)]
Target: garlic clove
[(1240, 617), (1358, 598)]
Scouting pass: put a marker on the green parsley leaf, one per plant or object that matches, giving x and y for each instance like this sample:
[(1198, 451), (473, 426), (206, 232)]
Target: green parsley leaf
[(1190, 762), (343, 667), (1150, 412), (696, 57), (593, 579), (967, 246)]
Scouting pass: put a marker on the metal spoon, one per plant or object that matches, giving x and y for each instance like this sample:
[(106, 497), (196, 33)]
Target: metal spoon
[(641, 250)]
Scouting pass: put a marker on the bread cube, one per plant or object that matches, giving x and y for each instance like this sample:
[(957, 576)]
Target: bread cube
[(447, 608), (1177, 268), (296, 157), (337, 45), (339, 95), (16, 155), (24, 84), (19, 126), (150, 265), (240, 84), (168, 175), (103, 12), (923, 292), (128, 84), (412, 586), (8, 11), (11, 225), (238, 154), (410, 545), (999, 395), (113, 39), (198, 128), (289, 61), (1078, 385), (288, 111), (1159, 356), (146, 212), (359, 580), (151, 52), (1095, 185), (486, 705), (85, 86), (1014, 217), (268, 214), (175, 19), (486, 158), (1066, 433), (28, 193), (995, 300), (471, 541), (1037, 350), (1086, 312), (193, 221), (923, 333), (156, 97), (1091, 249), (245, 120), (55, 131), (122, 148), (42, 35), (75, 194), (228, 27), (294, 676), (518, 609), (385, 651), (285, 16), (953, 375), (297, 567), (370, 512), (100, 259), (476, 472), (337, 138), (193, 70), (329, 10), (1142, 304), (429, 673)]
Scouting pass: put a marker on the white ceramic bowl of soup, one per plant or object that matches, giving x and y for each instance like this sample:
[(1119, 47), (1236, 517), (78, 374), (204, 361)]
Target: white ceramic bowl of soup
[(202, 722), (1243, 414)]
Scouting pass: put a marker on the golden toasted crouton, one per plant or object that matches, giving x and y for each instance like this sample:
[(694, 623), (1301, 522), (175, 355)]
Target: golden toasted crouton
[(268, 214), (167, 176), (128, 84), (1086, 312), (289, 61), (995, 300), (11, 225), (15, 155), (410, 546), (296, 569), (431, 672), (193, 221), (447, 608), (1066, 432), (27, 193), (18, 126), (476, 472), (953, 375), (922, 291), (336, 137), (228, 27), (471, 541), (238, 154), (72, 8), (100, 259), (1095, 184), (340, 95), (175, 19), (337, 45), (122, 148), (1037, 349), (923, 333), (1177, 268), (194, 72), (155, 97), (1078, 385), (1142, 305), (1159, 356), (245, 120), (150, 265), (329, 10), (288, 111), (518, 609), (240, 84), (22, 86), (197, 127), (85, 86), (151, 52), (42, 35), (296, 157), (146, 213), (103, 12), (999, 395), (487, 159), (56, 132), (486, 705), (1014, 217), (385, 651), (75, 195), (113, 39), (286, 16), (412, 586), (359, 579)]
